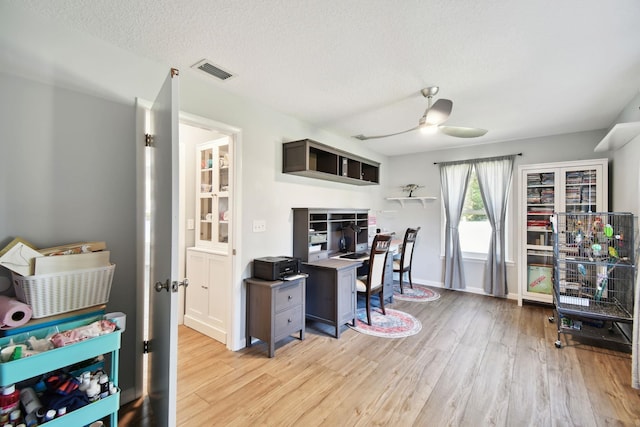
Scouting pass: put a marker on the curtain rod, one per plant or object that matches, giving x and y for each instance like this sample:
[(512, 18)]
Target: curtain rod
[(481, 158)]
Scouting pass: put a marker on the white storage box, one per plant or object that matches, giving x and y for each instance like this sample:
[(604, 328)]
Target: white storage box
[(55, 293)]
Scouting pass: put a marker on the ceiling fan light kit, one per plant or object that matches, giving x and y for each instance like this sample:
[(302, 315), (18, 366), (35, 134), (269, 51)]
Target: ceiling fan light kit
[(436, 113)]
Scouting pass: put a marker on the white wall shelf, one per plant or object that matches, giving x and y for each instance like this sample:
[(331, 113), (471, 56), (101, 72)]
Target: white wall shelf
[(619, 136), (423, 200)]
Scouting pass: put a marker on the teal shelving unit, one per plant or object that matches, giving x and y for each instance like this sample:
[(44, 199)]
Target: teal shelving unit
[(33, 366)]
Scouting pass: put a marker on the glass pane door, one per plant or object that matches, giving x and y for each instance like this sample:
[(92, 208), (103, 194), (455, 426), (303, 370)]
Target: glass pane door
[(205, 204), (580, 191), (541, 201), (224, 214)]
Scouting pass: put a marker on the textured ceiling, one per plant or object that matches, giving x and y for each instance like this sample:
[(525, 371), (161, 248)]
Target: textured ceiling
[(518, 68)]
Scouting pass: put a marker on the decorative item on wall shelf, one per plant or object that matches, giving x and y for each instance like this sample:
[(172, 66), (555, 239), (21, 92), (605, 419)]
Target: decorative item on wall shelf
[(410, 188)]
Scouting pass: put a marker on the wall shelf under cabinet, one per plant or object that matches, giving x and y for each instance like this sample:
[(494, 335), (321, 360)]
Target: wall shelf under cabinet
[(401, 200)]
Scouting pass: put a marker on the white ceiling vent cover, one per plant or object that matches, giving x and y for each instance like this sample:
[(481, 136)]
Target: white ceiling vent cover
[(208, 67)]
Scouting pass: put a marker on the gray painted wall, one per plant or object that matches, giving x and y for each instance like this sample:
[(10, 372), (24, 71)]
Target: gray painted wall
[(67, 168)]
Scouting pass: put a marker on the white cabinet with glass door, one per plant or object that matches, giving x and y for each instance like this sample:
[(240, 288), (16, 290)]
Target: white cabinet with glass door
[(579, 186), (209, 262), (212, 195)]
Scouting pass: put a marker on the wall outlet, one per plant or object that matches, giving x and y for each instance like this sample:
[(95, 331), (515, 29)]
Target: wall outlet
[(259, 225), (190, 224)]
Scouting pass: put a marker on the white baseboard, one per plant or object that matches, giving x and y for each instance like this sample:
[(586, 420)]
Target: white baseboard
[(211, 331), (468, 289)]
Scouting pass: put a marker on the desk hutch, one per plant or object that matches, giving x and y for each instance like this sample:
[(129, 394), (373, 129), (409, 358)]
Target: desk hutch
[(317, 235)]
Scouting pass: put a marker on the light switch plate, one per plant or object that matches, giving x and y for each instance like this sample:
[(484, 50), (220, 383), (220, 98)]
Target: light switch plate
[(190, 224), (259, 225)]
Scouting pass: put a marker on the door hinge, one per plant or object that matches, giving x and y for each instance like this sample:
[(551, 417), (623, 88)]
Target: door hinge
[(233, 252), (148, 139), (145, 347)]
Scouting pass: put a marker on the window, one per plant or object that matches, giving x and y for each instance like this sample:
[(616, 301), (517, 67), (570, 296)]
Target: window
[(474, 228)]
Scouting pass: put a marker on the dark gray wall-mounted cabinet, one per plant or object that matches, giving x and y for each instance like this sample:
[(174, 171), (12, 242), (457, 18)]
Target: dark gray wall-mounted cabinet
[(315, 160)]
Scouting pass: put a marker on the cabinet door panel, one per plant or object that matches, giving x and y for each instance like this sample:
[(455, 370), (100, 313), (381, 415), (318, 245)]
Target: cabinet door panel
[(347, 298), (213, 193), (218, 283), (197, 293)]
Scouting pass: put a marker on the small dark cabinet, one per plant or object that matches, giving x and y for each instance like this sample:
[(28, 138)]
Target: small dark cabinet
[(313, 159), (275, 310)]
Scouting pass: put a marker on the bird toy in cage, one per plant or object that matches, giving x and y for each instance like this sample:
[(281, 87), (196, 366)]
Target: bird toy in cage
[(602, 277)]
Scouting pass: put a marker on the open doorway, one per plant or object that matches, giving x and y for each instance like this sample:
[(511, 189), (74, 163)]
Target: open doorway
[(195, 130), (207, 218)]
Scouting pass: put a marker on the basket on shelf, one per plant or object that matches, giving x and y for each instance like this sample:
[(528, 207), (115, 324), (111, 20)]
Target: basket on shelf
[(55, 293)]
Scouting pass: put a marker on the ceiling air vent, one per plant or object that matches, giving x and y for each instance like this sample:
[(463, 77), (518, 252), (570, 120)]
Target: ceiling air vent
[(213, 70)]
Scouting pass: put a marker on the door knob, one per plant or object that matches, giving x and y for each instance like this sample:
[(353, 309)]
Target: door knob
[(176, 284)]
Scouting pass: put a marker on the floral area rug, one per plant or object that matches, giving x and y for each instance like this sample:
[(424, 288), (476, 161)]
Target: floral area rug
[(419, 293), (395, 324)]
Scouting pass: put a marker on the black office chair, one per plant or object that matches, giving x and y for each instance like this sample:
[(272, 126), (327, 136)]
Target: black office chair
[(373, 282), (403, 265)]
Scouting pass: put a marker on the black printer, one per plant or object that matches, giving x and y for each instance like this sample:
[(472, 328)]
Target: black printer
[(275, 267)]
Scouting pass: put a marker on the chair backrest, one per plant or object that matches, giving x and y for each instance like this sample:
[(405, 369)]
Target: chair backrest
[(377, 260), (407, 246)]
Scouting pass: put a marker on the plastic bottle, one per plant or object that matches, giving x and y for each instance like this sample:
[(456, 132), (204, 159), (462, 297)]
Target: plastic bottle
[(93, 392), (15, 417), (49, 415), (29, 400), (85, 381), (10, 399), (104, 386), (31, 420)]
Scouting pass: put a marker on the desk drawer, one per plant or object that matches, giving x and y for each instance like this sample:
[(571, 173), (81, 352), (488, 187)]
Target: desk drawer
[(288, 322), (317, 256), (287, 296)]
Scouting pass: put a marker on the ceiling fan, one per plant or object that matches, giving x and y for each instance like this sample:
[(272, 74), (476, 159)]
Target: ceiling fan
[(435, 114)]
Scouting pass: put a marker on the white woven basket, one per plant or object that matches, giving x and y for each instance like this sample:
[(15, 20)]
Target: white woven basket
[(55, 293)]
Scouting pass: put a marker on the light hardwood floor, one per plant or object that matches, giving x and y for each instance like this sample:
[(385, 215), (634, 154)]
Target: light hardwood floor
[(478, 361)]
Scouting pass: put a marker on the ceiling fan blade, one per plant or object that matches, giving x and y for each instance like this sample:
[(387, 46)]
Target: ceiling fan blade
[(461, 132), (364, 138), (439, 112)]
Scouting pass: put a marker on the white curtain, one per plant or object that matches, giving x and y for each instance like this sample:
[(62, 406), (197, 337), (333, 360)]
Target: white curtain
[(494, 180), (454, 178)]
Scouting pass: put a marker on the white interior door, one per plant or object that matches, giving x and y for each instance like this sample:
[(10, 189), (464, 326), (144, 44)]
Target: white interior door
[(163, 304)]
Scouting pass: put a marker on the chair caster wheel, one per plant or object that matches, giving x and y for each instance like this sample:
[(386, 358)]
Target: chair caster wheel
[(558, 344)]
